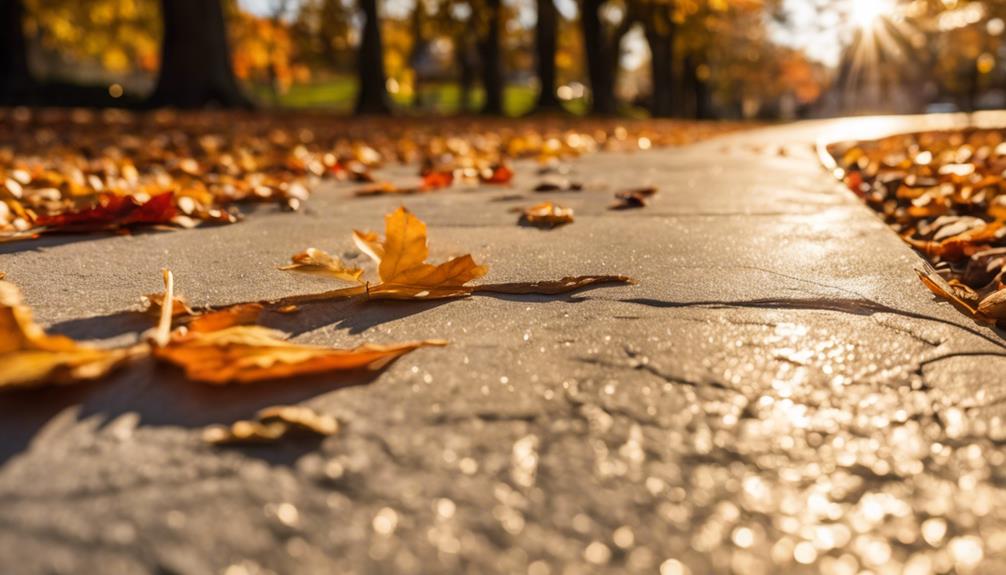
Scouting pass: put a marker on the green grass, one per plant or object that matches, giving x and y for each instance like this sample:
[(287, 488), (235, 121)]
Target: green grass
[(337, 94)]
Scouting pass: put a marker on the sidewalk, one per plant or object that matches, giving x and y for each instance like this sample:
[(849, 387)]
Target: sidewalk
[(779, 394)]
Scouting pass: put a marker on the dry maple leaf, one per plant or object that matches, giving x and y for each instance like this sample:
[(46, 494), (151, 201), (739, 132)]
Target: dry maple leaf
[(401, 258), (402, 267), (318, 262), (546, 215), (249, 353), (240, 314), (31, 358), (244, 354)]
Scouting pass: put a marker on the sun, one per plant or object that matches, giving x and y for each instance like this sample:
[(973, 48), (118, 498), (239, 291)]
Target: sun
[(865, 13)]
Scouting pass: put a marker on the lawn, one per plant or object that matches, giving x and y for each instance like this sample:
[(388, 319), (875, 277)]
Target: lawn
[(338, 94)]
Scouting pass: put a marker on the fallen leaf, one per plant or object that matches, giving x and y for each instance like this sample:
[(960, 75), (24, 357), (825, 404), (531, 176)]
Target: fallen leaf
[(941, 288), (240, 314), (435, 180), (272, 424), (244, 354), (547, 215), (401, 258), (633, 198), (558, 184), (318, 262), (300, 417), (402, 267), (500, 174), (31, 358), (112, 212), (994, 306), (249, 353), (179, 307), (244, 433)]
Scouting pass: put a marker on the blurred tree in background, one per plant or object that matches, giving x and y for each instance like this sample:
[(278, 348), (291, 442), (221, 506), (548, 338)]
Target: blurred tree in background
[(665, 58)]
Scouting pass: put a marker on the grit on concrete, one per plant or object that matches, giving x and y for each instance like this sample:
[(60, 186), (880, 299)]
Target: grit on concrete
[(778, 394)]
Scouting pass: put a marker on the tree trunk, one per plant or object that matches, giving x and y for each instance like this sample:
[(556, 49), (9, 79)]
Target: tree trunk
[(604, 52), (15, 78), (661, 43), (466, 71), (697, 90), (196, 65), (492, 61), (373, 95), (601, 87), (416, 54), (546, 34)]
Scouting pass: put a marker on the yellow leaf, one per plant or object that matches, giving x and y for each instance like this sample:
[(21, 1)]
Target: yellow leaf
[(272, 424), (405, 248), (31, 358), (370, 244), (315, 261), (402, 266), (245, 354)]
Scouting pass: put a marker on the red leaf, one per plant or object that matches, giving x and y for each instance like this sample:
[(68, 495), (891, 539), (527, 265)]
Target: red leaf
[(435, 180), (500, 175), (113, 211)]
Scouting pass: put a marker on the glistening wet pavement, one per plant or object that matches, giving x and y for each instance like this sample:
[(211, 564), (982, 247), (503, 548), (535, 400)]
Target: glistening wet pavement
[(778, 394)]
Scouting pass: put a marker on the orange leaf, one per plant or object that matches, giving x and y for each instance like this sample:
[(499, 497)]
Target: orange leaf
[(245, 354), (315, 261), (547, 214), (435, 180), (401, 259), (31, 358), (240, 314)]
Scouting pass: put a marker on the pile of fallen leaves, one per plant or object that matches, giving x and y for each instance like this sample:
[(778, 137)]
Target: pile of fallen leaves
[(944, 193), (84, 171)]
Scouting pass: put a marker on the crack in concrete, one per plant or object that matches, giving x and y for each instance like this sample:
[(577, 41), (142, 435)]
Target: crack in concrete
[(910, 333), (851, 306), (669, 378)]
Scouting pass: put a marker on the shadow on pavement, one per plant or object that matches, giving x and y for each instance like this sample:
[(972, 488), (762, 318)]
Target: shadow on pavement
[(159, 396), (162, 396), (105, 326), (354, 316)]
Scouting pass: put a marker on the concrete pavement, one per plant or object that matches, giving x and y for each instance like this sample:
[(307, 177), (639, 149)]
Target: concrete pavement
[(779, 394)]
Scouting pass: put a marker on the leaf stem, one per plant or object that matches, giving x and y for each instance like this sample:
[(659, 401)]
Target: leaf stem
[(163, 333)]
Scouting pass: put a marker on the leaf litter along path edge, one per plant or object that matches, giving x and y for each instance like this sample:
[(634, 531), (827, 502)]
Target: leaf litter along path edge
[(943, 192), (182, 169)]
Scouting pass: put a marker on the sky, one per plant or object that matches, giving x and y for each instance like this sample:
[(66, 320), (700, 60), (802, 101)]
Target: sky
[(818, 33)]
